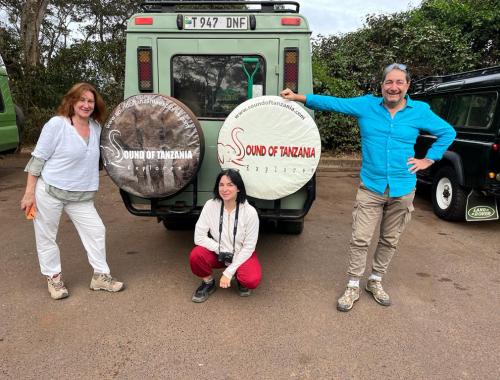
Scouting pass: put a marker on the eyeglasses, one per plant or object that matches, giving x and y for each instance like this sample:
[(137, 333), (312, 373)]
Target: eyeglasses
[(398, 66)]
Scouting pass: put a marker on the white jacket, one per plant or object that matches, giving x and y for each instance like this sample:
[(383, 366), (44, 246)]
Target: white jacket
[(246, 235)]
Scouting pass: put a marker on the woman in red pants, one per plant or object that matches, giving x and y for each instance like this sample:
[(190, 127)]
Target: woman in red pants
[(225, 237)]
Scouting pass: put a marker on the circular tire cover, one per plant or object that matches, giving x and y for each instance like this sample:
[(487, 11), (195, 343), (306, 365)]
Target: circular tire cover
[(152, 145), (273, 142)]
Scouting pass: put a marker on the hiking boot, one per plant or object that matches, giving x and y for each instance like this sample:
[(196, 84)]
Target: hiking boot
[(346, 302), (242, 291), (203, 291), (375, 288), (56, 287), (104, 281)]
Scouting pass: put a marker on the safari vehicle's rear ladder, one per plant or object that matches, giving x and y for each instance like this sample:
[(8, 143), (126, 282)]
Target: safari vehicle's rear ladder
[(425, 84), (265, 6)]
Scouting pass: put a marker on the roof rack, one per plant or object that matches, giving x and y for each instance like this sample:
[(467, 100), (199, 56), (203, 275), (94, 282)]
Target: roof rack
[(427, 83), (161, 6)]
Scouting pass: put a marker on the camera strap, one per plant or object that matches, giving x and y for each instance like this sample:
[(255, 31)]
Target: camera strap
[(221, 218)]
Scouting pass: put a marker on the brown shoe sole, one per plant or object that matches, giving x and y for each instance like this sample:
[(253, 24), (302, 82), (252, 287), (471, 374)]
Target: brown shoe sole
[(111, 291), (61, 297)]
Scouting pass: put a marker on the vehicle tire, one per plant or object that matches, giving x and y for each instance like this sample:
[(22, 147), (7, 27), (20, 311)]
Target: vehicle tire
[(448, 197), (291, 227), (250, 137), (152, 146)]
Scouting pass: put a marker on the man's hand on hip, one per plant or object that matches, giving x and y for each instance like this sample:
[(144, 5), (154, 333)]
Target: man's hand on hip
[(418, 164)]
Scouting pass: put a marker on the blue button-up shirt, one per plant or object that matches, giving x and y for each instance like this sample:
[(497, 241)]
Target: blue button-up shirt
[(388, 142)]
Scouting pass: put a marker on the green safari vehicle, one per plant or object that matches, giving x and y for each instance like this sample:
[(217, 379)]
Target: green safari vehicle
[(11, 116), (206, 58)]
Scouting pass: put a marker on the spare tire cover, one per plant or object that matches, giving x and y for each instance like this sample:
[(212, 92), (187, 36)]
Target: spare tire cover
[(273, 142), (152, 145)]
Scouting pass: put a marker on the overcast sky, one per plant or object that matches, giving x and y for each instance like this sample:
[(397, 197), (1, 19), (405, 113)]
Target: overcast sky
[(340, 16)]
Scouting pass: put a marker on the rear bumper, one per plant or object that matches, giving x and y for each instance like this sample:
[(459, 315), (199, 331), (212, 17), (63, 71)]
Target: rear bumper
[(171, 212)]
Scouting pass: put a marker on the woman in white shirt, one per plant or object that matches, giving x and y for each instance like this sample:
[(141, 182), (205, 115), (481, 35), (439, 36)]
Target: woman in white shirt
[(225, 236), (63, 174)]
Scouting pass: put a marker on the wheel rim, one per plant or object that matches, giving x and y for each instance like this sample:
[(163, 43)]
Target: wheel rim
[(444, 193)]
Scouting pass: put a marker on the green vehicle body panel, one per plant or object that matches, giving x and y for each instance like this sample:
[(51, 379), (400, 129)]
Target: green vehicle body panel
[(9, 135)]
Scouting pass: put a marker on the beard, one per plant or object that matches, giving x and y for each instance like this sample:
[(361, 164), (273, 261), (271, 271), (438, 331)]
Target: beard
[(393, 102)]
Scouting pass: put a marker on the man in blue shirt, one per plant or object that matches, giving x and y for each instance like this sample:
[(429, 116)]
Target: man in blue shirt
[(389, 128)]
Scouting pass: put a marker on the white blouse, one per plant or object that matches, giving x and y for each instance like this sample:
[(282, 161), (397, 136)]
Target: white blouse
[(246, 235), (71, 164)]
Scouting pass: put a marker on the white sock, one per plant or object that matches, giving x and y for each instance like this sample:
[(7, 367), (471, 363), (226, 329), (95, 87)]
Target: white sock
[(375, 277), (353, 284), (208, 280)]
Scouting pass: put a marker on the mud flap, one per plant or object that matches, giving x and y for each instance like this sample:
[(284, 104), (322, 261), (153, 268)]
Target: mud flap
[(480, 207)]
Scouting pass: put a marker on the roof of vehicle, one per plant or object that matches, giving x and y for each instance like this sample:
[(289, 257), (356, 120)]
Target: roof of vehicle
[(263, 16), (265, 6), (486, 77)]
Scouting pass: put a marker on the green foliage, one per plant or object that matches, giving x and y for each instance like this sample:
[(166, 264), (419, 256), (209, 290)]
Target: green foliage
[(81, 41), (440, 37), (338, 132)]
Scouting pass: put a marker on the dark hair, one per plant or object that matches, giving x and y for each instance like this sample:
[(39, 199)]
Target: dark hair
[(235, 178), (73, 96)]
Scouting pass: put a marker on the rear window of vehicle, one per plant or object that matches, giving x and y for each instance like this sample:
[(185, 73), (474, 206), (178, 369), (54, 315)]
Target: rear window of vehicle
[(438, 105), (474, 111), (213, 85)]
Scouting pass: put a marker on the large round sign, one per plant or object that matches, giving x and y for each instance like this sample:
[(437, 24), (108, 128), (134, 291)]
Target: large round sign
[(273, 142), (152, 145)]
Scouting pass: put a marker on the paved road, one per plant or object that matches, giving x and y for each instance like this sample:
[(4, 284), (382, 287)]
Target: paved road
[(444, 282)]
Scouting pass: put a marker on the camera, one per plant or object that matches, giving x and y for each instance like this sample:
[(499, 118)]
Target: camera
[(225, 257)]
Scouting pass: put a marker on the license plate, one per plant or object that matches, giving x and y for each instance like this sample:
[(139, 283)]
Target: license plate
[(215, 22)]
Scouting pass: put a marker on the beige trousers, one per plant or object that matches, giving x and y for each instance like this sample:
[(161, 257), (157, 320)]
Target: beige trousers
[(371, 210)]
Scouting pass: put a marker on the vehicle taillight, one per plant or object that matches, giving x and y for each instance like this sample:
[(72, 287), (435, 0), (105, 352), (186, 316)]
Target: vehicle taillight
[(145, 69), (495, 147), (293, 21), (291, 69), (143, 21)]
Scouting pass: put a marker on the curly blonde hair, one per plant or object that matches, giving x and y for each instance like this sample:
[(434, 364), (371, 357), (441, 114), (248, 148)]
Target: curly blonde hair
[(73, 96)]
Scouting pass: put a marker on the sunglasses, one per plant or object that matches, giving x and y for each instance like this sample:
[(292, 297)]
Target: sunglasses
[(398, 66)]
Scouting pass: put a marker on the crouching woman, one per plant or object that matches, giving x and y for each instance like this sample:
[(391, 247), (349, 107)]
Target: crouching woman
[(225, 236)]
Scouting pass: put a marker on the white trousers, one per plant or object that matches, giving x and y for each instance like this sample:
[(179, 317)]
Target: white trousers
[(86, 220)]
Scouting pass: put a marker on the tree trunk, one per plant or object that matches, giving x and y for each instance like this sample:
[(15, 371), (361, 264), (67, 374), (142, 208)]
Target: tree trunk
[(32, 15)]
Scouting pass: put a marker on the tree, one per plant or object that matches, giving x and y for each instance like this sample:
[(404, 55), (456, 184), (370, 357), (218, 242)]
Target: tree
[(440, 37), (32, 16)]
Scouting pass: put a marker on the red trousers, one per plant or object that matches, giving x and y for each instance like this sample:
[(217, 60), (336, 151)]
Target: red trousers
[(202, 261)]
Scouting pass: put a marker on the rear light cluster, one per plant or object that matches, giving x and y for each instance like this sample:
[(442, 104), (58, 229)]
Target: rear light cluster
[(493, 175), (145, 69), (144, 21), (290, 21), (291, 69)]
